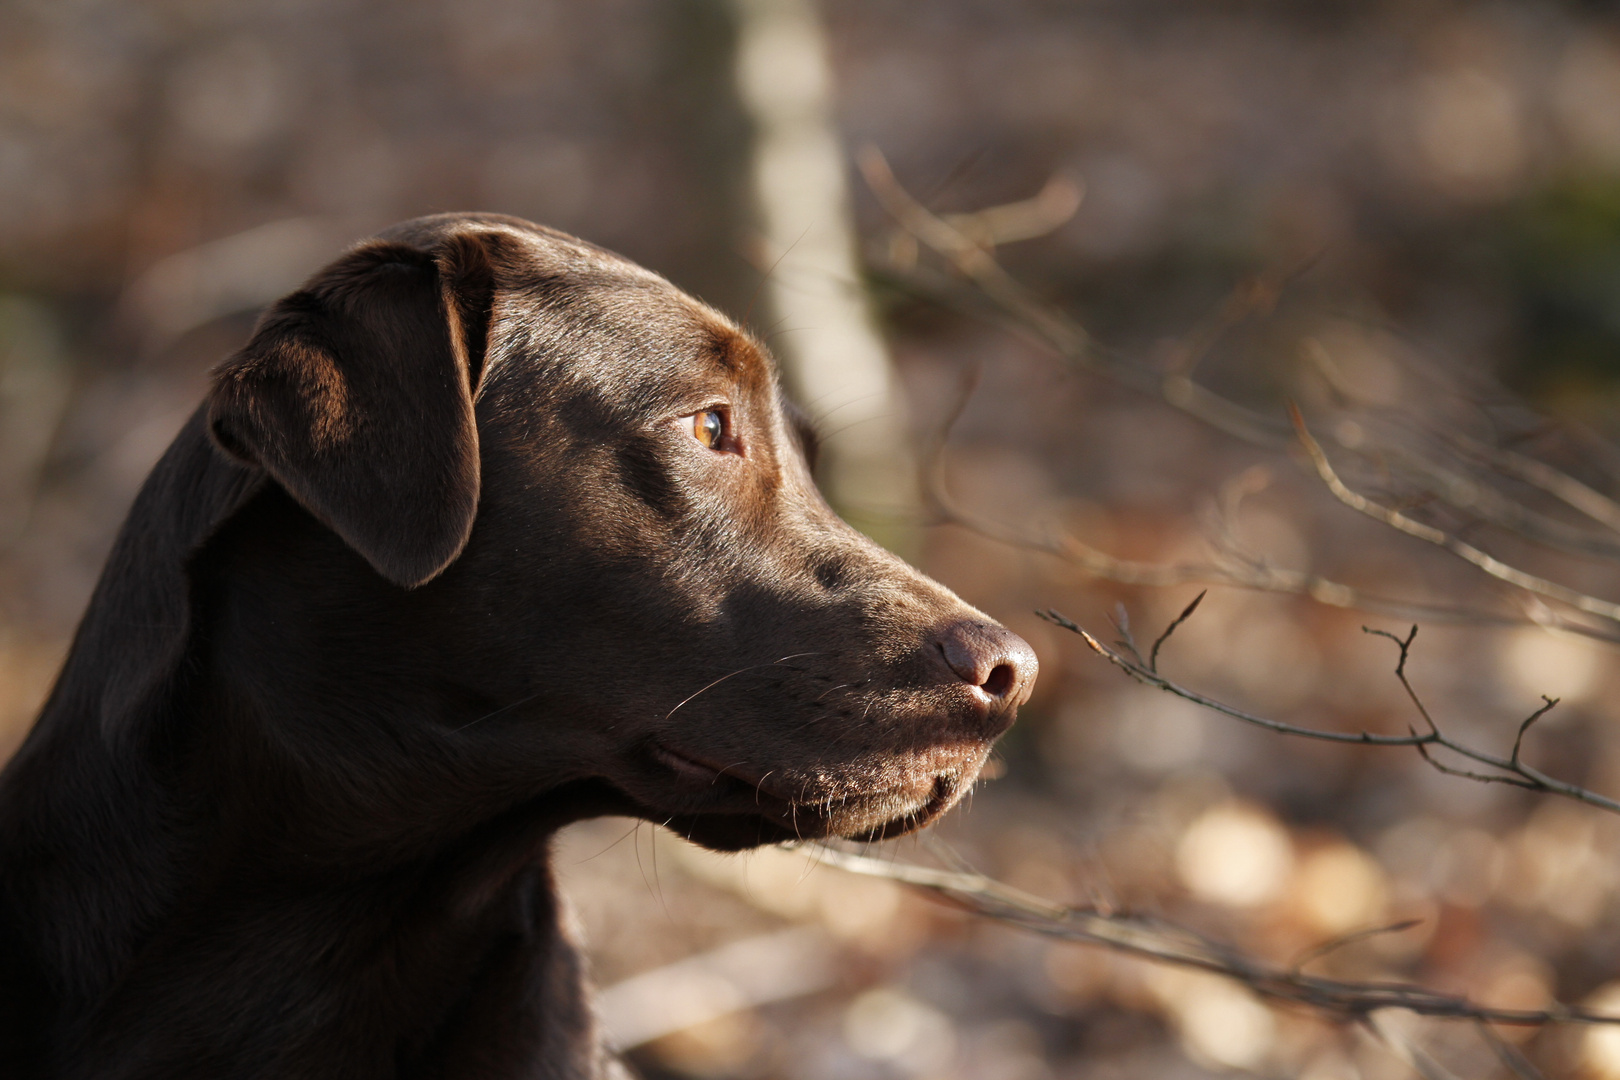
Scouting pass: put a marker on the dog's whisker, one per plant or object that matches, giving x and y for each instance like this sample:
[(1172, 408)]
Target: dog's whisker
[(504, 708), (830, 689), (657, 881), (627, 834), (739, 671), (639, 867)]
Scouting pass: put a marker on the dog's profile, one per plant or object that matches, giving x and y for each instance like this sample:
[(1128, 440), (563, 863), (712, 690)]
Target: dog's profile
[(485, 531)]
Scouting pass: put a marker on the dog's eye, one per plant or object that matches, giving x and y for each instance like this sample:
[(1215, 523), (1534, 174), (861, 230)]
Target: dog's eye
[(709, 428)]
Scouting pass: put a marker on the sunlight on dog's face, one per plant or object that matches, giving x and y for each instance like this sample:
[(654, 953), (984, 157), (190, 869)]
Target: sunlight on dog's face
[(650, 534)]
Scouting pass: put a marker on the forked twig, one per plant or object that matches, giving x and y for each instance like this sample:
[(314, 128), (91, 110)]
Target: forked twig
[(1511, 770)]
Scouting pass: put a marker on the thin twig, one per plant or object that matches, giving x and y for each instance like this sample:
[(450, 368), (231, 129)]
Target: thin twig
[(1518, 740), (1508, 1054), (1068, 338), (1180, 946), (1510, 770), (1561, 486), (1186, 613), (1316, 952), (1467, 552), (1408, 1051), (1263, 578), (1474, 496), (1121, 622), (1578, 496), (1486, 504)]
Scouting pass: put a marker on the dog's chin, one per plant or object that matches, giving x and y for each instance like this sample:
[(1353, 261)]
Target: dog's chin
[(730, 807), (869, 816)]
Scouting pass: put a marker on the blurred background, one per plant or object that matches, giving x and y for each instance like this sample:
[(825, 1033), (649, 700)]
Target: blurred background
[(1404, 215)]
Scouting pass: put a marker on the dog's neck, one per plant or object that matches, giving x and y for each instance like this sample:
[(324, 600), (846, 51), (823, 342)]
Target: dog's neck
[(200, 834)]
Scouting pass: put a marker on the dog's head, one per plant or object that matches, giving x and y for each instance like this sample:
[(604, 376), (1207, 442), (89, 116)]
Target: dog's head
[(604, 512)]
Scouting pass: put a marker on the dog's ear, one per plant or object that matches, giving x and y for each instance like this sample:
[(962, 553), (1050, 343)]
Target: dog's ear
[(356, 395)]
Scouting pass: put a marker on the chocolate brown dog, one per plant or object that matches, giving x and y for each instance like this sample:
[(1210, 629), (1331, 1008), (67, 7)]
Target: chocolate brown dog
[(484, 532)]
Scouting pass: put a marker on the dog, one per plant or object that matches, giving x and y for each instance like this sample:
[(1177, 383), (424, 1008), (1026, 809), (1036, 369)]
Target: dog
[(485, 531)]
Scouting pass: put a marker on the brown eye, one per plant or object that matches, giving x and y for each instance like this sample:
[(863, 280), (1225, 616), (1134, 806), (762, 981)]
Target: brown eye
[(709, 428)]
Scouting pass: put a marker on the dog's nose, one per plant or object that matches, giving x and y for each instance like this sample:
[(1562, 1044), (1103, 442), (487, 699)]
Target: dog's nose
[(992, 658)]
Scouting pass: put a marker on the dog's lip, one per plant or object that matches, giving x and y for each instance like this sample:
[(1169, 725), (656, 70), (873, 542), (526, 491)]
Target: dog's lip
[(692, 767), (946, 785)]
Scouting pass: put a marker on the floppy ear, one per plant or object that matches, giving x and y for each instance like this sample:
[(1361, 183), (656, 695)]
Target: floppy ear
[(356, 395)]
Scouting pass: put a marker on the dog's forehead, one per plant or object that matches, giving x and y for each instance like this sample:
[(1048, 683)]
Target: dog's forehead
[(544, 273), (603, 318)]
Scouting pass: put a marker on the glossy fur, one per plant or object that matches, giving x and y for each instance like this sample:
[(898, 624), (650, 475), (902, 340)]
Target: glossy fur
[(437, 569)]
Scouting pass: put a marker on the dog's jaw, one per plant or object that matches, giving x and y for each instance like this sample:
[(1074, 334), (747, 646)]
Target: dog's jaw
[(902, 794)]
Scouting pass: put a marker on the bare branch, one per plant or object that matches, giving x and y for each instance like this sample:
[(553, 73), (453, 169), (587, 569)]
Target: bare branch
[(1049, 209), (1482, 483), (1510, 770), (1489, 505), (973, 258), (1405, 646), (1121, 621), (1465, 551), (1060, 333), (1473, 496), (1171, 944), (1141, 674), (1265, 578), (1559, 485)]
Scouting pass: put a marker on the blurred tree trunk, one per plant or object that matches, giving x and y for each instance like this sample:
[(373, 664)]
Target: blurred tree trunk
[(834, 359)]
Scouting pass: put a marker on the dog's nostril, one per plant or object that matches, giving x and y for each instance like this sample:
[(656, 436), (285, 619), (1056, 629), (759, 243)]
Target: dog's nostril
[(1000, 681)]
